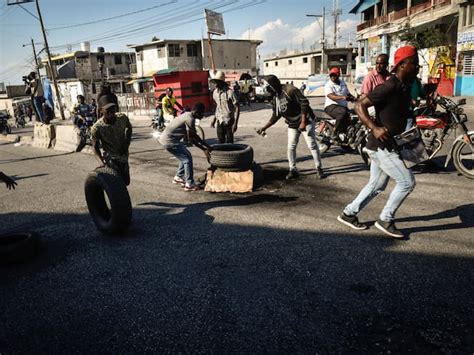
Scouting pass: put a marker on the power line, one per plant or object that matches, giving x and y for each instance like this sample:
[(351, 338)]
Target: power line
[(111, 18)]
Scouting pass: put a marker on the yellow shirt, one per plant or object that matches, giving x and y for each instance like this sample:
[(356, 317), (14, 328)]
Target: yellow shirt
[(168, 104)]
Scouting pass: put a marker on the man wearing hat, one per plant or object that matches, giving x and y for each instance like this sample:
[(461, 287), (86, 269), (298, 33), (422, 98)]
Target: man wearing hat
[(392, 106), (113, 132), (289, 102), (335, 105), (227, 109)]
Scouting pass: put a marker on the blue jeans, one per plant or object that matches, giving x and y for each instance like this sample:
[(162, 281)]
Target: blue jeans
[(185, 167), (385, 165), (310, 138)]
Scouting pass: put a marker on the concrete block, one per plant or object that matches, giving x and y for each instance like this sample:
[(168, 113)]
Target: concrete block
[(26, 139), (228, 181), (12, 138), (67, 138), (43, 135)]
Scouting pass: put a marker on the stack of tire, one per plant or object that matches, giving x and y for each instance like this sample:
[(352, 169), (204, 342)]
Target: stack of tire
[(232, 157)]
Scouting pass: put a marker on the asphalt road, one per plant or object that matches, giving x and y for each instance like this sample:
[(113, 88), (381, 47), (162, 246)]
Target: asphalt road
[(269, 271)]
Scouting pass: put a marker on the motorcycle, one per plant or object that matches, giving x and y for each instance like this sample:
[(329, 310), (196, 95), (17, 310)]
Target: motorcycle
[(351, 139), (20, 121), (84, 125), (4, 125), (437, 126)]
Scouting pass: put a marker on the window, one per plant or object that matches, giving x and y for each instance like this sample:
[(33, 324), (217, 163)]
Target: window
[(290, 62), (94, 89), (468, 65), (192, 49), (161, 50), (118, 59), (305, 59), (173, 50), (266, 64), (276, 64), (196, 87)]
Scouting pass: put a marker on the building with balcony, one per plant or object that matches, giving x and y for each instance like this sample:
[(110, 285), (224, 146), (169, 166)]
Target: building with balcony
[(383, 23), (464, 84)]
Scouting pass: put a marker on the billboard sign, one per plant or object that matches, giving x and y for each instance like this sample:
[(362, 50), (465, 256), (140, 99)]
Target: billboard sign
[(214, 22)]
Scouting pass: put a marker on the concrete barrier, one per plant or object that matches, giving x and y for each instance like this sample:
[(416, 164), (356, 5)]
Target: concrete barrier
[(11, 138), (43, 135), (67, 138), (237, 182)]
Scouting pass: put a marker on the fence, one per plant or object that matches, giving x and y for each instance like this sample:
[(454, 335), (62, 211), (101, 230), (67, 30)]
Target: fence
[(133, 104)]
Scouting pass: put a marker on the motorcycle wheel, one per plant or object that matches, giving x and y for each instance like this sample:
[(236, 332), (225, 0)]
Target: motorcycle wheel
[(8, 129), (322, 137), (463, 158)]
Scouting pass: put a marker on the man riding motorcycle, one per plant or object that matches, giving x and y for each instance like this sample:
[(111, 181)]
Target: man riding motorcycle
[(169, 102), (337, 95), (81, 111)]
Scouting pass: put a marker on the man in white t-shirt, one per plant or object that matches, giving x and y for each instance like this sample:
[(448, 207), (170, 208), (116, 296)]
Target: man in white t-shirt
[(337, 96)]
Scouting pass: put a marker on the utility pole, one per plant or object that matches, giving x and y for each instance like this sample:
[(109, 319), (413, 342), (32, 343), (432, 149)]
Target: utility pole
[(35, 55), (53, 73), (336, 12), (323, 35)]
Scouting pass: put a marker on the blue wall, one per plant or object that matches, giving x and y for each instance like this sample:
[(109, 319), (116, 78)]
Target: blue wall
[(464, 86)]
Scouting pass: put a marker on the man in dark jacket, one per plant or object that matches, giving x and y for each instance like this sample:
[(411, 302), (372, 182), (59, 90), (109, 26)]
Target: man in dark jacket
[(289, 102)]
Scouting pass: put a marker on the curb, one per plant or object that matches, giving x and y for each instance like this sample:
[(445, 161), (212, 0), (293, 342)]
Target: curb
[(12, 138)]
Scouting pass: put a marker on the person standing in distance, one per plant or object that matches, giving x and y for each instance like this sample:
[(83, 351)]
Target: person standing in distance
[(392, 106)]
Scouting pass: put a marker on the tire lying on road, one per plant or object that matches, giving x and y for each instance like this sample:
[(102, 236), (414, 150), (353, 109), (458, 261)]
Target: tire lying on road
[(105, 182), (18, 247), (232, 157)]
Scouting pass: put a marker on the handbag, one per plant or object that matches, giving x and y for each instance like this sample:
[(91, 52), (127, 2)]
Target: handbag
[(411, 148)]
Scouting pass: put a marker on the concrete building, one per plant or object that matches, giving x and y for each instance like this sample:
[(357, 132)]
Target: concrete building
[(464, 84), (191, 55), (297, 67), (11, 96), (382, 22)]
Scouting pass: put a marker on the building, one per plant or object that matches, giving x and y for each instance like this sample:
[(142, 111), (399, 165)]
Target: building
[(12, 96), (229, 55), (84, 72), (464, 84), (297, 67), (383, 24)]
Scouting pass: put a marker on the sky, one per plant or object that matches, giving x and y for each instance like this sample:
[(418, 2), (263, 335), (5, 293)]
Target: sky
[(112, 24)]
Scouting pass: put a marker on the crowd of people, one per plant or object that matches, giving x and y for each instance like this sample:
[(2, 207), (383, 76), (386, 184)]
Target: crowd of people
[(390, 93)]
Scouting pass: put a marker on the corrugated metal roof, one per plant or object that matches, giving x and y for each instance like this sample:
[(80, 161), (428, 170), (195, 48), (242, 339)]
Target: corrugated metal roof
[(363, 5)]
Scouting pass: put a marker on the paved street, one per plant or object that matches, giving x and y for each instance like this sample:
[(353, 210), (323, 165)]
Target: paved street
[(269, 271)]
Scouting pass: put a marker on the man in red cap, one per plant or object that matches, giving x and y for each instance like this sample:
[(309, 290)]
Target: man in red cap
[(337, 95), (392, 104)]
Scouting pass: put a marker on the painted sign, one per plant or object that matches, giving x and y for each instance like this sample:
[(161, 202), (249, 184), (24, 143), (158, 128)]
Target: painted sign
[(465, 41), (214, 22)]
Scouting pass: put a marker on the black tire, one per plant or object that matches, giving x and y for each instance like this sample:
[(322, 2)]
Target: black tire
[(103, 181), (7, 128), (461, 153), (232, 157), (18, 247)]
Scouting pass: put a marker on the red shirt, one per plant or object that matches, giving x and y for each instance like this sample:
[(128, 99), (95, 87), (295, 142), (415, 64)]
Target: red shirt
[(372, 80)]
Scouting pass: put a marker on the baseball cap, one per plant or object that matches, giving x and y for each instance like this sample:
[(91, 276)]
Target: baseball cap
[(403, 53), (335, 71), (106, 101)]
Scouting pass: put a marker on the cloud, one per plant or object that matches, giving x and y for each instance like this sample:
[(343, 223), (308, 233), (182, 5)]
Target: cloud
[(277, 35)]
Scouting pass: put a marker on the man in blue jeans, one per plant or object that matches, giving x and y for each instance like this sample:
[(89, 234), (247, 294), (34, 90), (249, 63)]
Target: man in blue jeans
[(392, 106), (172, 140)]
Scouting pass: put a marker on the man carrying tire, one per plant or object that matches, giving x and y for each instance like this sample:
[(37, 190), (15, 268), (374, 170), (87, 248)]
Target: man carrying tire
[(227, 109), (289, 102), (113, 132), (172, 139)]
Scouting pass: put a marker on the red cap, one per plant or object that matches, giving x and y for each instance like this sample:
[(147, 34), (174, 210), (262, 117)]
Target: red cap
[(335, 70), (403, 53)]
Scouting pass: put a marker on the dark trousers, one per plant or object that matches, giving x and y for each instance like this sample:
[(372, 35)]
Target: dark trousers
[(122, 168), (225, 132), (341, 115)]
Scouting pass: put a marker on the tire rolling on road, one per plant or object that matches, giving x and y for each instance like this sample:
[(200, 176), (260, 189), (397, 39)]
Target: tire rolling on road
[(104, 182), (18, 247), (232, 157)]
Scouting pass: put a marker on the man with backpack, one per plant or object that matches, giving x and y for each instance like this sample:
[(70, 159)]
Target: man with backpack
[(289, 102), (227, 109)]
